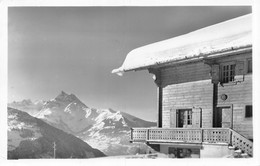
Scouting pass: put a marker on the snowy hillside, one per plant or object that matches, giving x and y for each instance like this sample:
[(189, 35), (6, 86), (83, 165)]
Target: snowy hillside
[(29, 137), (104, 129)]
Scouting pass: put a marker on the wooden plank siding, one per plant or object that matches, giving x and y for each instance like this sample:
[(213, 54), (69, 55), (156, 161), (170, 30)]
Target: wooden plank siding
[(189, 86), (197, 94), (239, 95), (185, 73)]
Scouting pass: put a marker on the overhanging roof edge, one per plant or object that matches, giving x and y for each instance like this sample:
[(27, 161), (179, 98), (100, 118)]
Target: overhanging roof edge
[(248, 48), (221, 38)]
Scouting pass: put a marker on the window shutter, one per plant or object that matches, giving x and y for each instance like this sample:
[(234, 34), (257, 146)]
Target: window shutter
[(185, 125), (173, 118), (239, 72), (166, 119), (215, 74), (196, 117)]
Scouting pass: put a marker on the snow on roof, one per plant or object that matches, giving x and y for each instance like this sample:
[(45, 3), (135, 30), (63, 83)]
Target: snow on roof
[(222, 37)]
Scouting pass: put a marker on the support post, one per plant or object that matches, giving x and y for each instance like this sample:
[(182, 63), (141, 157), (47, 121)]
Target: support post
[(147, 135), (159, 123), (131, 134), (230, 137), (202, 135), (214, 104), (157, 80)]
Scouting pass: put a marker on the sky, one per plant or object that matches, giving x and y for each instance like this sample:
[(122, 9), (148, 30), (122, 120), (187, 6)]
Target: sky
[(74, 49)]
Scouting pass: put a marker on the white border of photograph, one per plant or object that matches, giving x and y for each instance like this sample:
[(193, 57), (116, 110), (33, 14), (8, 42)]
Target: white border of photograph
[(4, 4)]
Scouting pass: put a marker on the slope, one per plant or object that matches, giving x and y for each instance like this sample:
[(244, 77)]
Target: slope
[(29, 137)]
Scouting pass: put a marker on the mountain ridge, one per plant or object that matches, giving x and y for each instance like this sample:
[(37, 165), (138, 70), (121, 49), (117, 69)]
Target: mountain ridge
[(105, 129), (30, 137)]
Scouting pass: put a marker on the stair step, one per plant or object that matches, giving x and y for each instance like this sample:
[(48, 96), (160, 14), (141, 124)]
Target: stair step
[(231, 147), (244, 155), (238, 151)]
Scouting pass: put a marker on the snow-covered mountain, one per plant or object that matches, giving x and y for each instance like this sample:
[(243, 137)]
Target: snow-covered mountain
[(28, 106), (104, 129), (29, 137)]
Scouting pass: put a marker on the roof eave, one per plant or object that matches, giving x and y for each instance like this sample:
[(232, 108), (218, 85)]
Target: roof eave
[(231, 51)]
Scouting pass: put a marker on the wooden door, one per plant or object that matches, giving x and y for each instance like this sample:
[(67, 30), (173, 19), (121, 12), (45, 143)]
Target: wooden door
[(226, 117), (223, 117)]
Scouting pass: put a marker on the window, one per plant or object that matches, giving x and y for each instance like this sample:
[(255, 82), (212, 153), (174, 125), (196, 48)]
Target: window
[(184, 117), (228, 73), (249, 66), (248, 111), (189, 117)]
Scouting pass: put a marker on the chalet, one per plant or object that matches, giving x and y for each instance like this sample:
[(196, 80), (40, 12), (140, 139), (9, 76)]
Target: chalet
[(204, 81)]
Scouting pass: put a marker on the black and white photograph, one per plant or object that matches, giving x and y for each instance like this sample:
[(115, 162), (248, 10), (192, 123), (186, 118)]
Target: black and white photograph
[(130, 82)]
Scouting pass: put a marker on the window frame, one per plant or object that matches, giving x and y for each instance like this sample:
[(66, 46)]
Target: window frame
[(230, 78), (247, 67), (251, 111), (187, 116)]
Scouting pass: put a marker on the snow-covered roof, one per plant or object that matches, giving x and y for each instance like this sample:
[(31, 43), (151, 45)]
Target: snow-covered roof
[(226, 36)]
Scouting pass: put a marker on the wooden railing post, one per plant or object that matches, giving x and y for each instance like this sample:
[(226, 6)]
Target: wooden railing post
[(147, 134), (202, 135), (131, 134), (230, 137)]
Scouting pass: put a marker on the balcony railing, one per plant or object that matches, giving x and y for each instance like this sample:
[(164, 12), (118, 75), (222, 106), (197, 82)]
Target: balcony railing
[(192, 136), (181, 135)]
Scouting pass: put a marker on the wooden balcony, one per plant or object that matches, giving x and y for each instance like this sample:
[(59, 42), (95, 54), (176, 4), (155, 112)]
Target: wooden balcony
[(191, 136)]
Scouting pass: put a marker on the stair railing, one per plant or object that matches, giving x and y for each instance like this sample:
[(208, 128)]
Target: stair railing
[(239, 141)]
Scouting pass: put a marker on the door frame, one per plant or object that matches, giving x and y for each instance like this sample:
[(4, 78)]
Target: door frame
[(225, 105)]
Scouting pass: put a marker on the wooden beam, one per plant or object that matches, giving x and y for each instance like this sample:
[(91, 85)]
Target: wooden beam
[(157, 80), (159, 123)]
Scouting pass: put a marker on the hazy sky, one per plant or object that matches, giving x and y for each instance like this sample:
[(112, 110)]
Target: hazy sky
[(74, 49)]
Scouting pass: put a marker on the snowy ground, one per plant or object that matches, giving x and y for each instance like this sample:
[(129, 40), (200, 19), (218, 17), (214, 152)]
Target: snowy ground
[(139, 156)]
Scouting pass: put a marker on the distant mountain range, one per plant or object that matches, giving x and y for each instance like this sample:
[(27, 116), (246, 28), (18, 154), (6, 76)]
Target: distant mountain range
[(104, 129), (30, 107), (30, 137)]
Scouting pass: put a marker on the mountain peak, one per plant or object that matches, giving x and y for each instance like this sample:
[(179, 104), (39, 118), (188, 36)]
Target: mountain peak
[(27, 101), (111, 110), (63, 96), (63, 93)]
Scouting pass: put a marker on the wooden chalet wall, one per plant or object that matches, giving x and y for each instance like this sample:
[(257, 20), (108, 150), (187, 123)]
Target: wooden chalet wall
[(239, 95), (186, 87), (189, 87)]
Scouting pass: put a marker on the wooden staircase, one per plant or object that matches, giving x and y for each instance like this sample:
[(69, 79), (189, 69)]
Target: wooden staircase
[(240, 142)]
